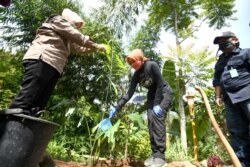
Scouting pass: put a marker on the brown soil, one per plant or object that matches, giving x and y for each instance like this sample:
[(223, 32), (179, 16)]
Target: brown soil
[(49, 162), (121, 163)]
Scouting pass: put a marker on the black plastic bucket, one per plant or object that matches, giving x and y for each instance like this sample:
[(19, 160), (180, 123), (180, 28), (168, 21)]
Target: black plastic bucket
[(23, 140)]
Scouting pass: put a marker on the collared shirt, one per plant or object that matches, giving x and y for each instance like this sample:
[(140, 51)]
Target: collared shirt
[(232, 73)]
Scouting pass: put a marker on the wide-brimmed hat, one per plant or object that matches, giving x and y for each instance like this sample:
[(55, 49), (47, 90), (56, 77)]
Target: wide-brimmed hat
[(226, 34)]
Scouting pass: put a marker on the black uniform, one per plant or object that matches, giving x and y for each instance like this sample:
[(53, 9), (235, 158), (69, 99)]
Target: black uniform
[(159, 93), (238, 87)]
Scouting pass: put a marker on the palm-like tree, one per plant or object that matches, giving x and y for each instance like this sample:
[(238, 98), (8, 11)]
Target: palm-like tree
[(185, 68)]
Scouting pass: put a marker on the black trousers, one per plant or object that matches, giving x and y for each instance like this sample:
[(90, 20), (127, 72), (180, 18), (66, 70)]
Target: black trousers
[(39, 81), (157, 125)]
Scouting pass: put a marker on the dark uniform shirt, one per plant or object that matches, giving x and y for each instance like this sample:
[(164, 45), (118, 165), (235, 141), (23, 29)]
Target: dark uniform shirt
[(232, 73), (148, 76)]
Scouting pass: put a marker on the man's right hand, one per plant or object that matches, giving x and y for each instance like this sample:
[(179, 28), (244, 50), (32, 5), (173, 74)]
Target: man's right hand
[(219, 101)]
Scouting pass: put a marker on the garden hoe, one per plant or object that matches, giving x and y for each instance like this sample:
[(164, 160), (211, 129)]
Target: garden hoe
[(229, 149)]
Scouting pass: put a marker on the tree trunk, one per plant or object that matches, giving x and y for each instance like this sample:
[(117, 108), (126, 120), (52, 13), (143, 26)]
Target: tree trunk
[(182, 114), (181, 83)]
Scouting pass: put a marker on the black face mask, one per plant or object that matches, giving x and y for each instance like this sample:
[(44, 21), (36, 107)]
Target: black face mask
[(225, 45)]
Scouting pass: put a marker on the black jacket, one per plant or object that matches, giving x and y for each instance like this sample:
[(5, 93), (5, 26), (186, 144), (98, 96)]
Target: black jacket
[(149, 76), (237, 87)]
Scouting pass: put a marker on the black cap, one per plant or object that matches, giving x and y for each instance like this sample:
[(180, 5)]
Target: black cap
[(226, 34)]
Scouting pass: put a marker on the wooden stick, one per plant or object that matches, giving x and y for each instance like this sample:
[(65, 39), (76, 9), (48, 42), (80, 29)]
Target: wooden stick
[(228, 147)]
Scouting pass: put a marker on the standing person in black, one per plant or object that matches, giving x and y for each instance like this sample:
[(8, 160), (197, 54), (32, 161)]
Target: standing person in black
[(159, 100), (232, 85)]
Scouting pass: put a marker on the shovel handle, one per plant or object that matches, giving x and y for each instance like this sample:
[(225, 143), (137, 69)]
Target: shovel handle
[(228, 147)]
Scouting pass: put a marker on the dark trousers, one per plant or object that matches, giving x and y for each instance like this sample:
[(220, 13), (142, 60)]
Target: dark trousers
[(38, 83), (238, 124), (157, 134), (157, 125)]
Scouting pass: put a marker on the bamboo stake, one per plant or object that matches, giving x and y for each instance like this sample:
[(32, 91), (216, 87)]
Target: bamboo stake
[(190, 101)]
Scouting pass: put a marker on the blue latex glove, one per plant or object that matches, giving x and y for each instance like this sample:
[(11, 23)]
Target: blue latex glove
[(112, 112), (158, 111)]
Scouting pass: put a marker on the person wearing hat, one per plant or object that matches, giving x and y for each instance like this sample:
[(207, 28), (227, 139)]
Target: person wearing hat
[(159, 100), (46, 58), (232, 86)]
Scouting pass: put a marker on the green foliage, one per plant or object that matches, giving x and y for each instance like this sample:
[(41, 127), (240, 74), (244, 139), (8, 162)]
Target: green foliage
[(168, 13), (169, 74), (212, 146), (128, 133), (208, 141), (116, 67), (217, 12), (139, 145), (146, 39), (195, 65), (187, 67), (10, 77), (73, 138), (175, 152), (60, 149), (92, 76), (104, 142), (121, 16), (202, 127), (57, 150), (177, 16)]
